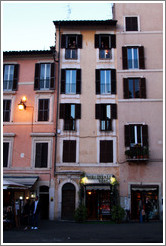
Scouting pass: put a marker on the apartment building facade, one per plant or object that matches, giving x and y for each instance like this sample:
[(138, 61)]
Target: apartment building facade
[(140, 104), (87, 125), (29, 126)]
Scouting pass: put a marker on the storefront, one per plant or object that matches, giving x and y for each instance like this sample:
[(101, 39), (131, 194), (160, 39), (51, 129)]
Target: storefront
[(140, 192)]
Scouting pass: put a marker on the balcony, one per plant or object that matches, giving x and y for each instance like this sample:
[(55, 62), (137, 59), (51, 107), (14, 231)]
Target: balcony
[(137, 153)]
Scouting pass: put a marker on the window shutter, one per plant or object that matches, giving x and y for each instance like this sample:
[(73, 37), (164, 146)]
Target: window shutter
[(134, 23), (78, 81), (63, 41), (145, 135), (63, 80), (98, 111), (79, 41), (73, 151), (38, 155), (37, 76), (124, 58), (15, 79), (78, 111), (62, 111), (113, 41), (143, 87), (44, 154), (113, 111), (97, 41), (141, 58), (125, 88), (97, 81), (52, 79), (127, 135), (113, 81), (5, 154)]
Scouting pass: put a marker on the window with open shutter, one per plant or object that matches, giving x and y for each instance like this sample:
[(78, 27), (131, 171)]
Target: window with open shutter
[(133, 57), (10, 77)]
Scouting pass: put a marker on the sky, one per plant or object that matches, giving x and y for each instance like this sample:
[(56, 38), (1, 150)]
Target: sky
[(27, 25)]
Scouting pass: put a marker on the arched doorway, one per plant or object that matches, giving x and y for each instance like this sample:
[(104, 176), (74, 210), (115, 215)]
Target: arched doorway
[(68, 201), (44, 201)]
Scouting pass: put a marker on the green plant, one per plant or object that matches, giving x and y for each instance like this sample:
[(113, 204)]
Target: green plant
[(80, 214), (117, 213)]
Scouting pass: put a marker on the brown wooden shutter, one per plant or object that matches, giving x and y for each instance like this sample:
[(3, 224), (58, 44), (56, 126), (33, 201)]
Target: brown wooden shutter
[(113, 111), (37, 77), (77, 111), (106, 151), (125, 88), (97, 40), (5, 154), (143, 87), (97, 81), (145, 135), (62, 111), (63, 80), (124, 58), (79, 41), (98, 111), (127, 135), (69, 151), (78, 81), (141, 58), (52, 81), (15, 78), (113, 41), (113, 81), (63, 41)]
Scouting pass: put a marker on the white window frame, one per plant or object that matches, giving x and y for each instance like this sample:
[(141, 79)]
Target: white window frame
[(138, 22), (132, 56), (40, 138)]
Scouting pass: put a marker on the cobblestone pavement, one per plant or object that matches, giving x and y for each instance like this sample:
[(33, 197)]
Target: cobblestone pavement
[(89, 232)]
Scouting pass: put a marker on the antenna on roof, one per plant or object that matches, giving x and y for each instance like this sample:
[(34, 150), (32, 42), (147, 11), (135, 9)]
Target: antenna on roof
[(68, 11)]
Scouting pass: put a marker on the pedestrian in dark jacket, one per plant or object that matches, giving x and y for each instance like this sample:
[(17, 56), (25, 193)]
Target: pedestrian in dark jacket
[(147, 208), (26, 213), (35, 211)]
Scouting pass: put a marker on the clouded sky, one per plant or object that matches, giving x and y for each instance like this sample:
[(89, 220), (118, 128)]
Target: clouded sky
[(28, 25)]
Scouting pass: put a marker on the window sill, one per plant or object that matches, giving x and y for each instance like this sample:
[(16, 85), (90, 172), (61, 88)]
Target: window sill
[(9, 92), (44, 91)]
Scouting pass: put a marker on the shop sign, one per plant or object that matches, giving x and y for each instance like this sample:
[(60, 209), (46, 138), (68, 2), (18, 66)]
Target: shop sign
[(97, 178)]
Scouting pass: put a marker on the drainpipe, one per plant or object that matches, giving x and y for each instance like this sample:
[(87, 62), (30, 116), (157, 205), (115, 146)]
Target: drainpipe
[(57, 112)]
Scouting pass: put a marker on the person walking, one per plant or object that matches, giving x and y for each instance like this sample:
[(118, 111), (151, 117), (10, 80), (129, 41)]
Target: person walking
[(36, 211), (26, 214), (147, 209)]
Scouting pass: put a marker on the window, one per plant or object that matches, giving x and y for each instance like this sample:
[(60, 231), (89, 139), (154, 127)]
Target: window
[(105, 81), (105, 42), (5, 154), (6, 110), (71, 42), (131, 23), (70, 113), (133, 57), (41, 156), (10, 77), (136, 135), (106, 113), (44, 76), (43, 110), (71, 81), (69, 151), (134, 88), (106, 151)]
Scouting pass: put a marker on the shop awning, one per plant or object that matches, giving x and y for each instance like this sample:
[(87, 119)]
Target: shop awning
[(9, 184), (24, 181)]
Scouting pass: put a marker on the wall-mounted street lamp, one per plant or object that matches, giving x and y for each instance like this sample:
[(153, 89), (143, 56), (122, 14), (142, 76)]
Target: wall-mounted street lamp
[(21, 104)]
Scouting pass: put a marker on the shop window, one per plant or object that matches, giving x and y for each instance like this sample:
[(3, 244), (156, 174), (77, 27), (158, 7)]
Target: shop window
[(131, 23), (10, 77), (6, 110), (41, 157), (105, 81), (106, 113), (44, 76), (43, 110), (70, 113), (133, 57), (106, 151), (70, 81), (134, 88), (69, 151)]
